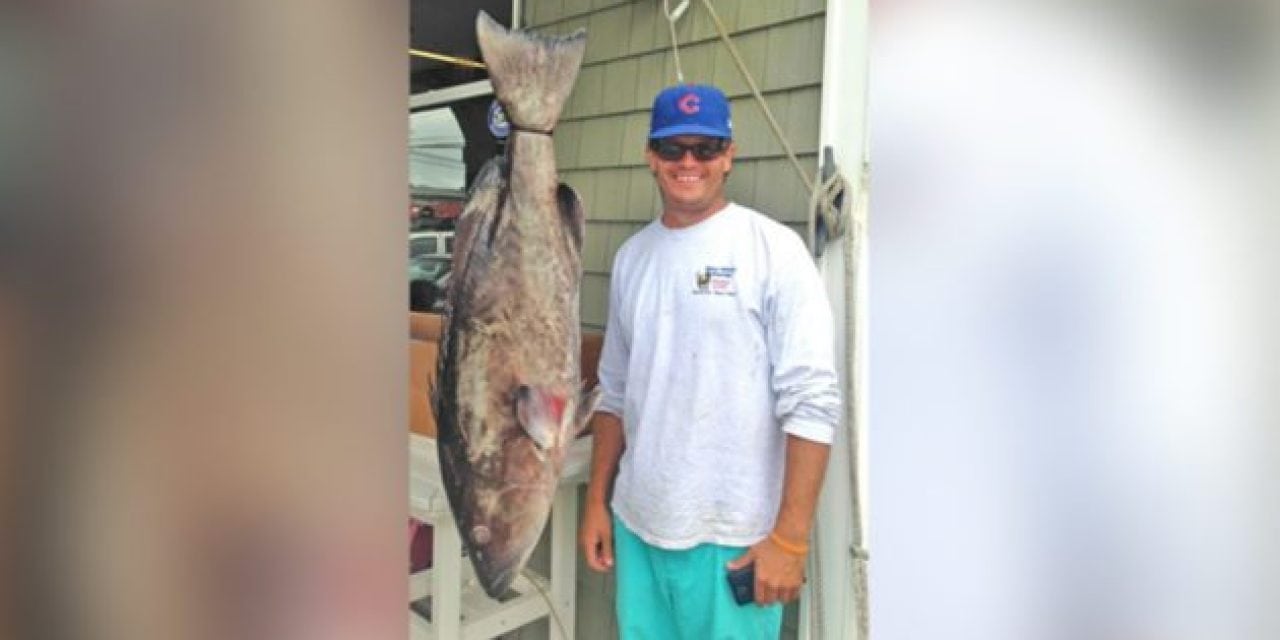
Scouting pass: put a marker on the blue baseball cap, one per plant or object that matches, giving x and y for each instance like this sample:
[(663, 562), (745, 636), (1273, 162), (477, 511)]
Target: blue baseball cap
[(690, 109)]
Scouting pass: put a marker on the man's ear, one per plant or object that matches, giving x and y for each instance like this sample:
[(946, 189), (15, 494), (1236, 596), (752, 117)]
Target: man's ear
[(650, 158), (729, 154)]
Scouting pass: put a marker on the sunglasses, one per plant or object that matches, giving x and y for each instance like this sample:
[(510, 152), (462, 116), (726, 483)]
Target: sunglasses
[(671, 151)]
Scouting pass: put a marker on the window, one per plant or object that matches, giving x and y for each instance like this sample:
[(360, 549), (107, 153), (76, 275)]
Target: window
[(435, 152)]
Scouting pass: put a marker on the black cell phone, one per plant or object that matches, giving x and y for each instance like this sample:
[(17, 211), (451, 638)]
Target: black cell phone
[(742, 582)]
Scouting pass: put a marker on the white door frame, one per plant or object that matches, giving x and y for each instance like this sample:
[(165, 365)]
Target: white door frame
[(843, 128)]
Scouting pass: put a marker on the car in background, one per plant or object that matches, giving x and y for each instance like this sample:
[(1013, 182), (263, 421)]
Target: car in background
[(431, 243), (430, 262)]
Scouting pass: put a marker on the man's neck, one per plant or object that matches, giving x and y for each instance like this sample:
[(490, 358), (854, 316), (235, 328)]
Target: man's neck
[(678, 219)]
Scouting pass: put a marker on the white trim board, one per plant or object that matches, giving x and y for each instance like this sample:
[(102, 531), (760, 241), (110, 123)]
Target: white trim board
[(449, 95)]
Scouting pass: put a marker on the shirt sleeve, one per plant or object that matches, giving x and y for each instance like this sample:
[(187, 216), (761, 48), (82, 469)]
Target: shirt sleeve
[(615, 354), (801, 347)]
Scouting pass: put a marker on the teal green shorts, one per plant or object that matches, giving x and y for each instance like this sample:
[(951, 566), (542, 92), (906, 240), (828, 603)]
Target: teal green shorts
[(683, 595)]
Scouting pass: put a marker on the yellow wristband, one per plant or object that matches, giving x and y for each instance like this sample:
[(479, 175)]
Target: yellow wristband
[(789, 547)]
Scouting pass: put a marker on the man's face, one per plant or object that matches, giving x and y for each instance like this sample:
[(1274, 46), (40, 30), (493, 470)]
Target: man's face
[(691, 187)]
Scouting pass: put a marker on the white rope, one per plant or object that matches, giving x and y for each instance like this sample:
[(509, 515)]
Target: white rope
[(551, 605), (854, 239), (825, 212), (755, 90), (672, 17), (675, 15), (842, 216)]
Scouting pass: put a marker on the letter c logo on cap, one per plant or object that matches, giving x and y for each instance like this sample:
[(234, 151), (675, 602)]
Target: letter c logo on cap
[(689, 103)]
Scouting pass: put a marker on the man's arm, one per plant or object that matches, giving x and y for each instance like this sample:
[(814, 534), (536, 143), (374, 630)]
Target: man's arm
[(801, 346), (780, 557), (806, 466), (596, 533)]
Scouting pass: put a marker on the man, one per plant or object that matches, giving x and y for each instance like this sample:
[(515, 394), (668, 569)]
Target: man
[(719, 398)]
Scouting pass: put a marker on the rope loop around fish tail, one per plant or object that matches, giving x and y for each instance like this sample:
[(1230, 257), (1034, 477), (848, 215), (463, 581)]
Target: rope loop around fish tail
[(545, 132)]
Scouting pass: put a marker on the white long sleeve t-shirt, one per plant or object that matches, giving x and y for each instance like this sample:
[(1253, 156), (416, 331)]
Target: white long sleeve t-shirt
[(718, 344)]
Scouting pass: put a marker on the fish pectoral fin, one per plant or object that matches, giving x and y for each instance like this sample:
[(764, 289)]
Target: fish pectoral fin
[(539, 412), (572, 213), (586, 406)]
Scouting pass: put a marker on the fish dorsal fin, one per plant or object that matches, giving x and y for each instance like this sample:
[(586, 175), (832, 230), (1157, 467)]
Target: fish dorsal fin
[(586, 406), (540, 413), (572, 214)]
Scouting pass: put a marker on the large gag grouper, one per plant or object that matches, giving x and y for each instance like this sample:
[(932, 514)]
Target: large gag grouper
[(509, 397)]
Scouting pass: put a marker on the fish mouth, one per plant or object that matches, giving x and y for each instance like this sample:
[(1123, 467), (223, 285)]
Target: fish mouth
[(499, 549), (495, 576), (500, 528)]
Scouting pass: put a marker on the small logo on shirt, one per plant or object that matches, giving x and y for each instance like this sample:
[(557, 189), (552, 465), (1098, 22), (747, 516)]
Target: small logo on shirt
[(716, 281)]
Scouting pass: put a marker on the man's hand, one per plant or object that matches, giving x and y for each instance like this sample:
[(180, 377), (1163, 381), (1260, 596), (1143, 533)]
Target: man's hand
[(779, 570), (596, 533), (596, 537), (779, 575)]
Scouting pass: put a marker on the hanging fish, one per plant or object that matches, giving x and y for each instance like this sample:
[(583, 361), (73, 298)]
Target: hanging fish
[(509, 398)]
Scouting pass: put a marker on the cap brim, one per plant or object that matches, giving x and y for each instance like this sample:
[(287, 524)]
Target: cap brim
[(689, 130)]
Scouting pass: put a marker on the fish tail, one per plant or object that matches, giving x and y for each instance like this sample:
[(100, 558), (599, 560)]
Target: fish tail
[(532, 74)]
